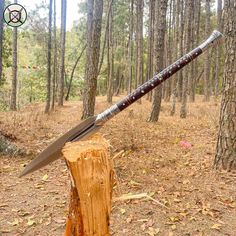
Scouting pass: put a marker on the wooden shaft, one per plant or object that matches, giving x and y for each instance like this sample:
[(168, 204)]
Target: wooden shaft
[(91, 191)]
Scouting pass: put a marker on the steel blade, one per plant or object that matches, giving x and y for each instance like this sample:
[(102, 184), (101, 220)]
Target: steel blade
[(53, 151)]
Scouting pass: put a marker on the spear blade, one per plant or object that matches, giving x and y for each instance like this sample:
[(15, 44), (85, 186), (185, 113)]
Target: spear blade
[(53, 151)]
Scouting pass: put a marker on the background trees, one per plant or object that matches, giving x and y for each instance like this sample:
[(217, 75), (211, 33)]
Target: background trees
[(127, 38)]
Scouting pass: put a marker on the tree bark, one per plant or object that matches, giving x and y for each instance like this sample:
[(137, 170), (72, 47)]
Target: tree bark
[(2, 4), (63, 44), (48, 99), (159, 44), (225, 157), (94, 25)]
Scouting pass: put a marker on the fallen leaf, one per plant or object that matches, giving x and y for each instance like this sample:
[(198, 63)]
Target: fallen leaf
[(152, 232), (45, 177), (31, 222), (173, 227), (174, 218), (122, 210), (129, 220), (216, 226)]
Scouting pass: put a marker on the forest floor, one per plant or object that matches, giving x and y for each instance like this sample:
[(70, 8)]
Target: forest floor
[(188, 197)]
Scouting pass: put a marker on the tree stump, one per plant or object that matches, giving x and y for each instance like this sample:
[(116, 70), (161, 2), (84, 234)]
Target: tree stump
[(91, 187)]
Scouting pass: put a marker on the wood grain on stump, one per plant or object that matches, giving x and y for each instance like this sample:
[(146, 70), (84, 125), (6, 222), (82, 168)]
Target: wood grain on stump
[(91, 190)]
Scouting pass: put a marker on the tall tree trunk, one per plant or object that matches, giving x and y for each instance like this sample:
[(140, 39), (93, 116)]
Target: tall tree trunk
[(54, 78), (110, 59), (94, 25), (176, 51), (181, 49), (196, 37), (48, 100), (191, 78), (63, 44), (218, 49), (130, 50), (2, 3), (139, 47), (183, 109), (207, 64), (14, 70), (169, 50), (226, 144), (159, 44)]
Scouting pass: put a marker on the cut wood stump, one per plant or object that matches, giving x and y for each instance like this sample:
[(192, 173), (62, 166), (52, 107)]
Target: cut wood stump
[(91, 187)]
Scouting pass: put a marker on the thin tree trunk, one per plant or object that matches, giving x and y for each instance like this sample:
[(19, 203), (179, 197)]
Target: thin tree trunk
[(191, 78), (196, 35), (63, 44), (130, 50), (139, 61), (183, 109), (159, 44), (54, 78), (181, 49), (2, 4), (218, 49), (14, 70), (73, 71), (169, 50), (110, 59), (207, 64), (226, 144), (176, 52), (94, 25), (48, 99), (149, 66)]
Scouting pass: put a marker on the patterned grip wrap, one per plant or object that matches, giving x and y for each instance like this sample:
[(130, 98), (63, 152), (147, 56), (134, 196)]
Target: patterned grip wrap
[(158, 79)]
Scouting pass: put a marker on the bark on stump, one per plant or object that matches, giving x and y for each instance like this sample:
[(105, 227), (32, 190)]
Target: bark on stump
[(91, 187)]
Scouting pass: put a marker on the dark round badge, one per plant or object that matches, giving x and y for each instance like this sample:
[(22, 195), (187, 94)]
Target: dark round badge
[(15, 15)]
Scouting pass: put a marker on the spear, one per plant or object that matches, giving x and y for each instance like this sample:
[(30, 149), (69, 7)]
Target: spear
[(94, 123)]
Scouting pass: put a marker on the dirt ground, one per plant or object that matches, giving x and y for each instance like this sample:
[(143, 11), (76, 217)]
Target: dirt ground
[(187, 197)]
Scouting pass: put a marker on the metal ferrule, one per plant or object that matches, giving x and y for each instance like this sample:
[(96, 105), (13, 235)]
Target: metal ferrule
[(215, 38), (107, 115)]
